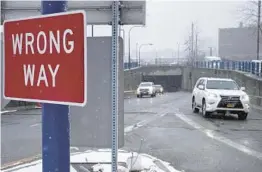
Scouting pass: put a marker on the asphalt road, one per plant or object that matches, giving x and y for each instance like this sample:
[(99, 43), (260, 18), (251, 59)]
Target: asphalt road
[(165, 127), (194, 144)]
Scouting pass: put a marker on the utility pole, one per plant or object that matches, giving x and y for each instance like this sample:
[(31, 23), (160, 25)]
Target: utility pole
[(92, 30), (196, 45), (258, 27), (178, 47), (210, 51), (192, 40)]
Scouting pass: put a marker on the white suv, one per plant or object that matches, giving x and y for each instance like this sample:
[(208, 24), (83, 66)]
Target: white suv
[(220, 95), (146, 88)]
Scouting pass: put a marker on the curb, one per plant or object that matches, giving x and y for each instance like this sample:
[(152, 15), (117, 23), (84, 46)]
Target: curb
[(20, 162), (8, 111)]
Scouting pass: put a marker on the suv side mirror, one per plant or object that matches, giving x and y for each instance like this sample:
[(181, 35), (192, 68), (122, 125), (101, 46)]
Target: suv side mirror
[(201, 87), (243, 88)]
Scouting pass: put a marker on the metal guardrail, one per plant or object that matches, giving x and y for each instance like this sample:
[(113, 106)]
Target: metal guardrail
[(254, 68)]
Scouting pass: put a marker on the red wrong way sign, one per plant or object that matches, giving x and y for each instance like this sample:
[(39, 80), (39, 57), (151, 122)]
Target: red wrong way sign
[(45, 59)]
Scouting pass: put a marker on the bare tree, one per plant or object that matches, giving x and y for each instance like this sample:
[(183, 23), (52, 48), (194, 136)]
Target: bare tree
[(192, 44), (249, 13), (251, 16)]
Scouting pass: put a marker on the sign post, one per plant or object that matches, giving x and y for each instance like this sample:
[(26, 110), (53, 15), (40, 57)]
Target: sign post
[(45, 61), (114, 72), (55, 119)]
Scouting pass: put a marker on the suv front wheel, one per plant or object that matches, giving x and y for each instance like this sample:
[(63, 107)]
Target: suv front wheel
[(194, 107), (204, 112)]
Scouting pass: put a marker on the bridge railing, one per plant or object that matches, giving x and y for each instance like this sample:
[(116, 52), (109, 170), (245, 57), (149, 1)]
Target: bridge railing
[(254, 68)]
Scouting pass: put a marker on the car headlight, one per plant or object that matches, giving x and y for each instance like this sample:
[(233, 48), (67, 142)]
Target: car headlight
[(245, 97), (212, 95)]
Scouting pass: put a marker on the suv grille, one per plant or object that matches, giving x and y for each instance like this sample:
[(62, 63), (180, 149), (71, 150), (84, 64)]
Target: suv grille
[(230, 102), (144, 89)]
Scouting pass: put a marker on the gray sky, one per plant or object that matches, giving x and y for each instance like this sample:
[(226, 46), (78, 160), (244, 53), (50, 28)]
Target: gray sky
[(169, 22)]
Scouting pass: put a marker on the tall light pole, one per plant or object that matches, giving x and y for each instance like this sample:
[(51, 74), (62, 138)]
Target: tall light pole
[(140, 49), (156, 52), (137, 52), (124, 39), (129, 43), (178, 51), (123, 30), (210, 51)]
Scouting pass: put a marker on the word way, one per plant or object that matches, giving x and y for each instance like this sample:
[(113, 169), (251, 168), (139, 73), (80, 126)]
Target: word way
[(30, 76)]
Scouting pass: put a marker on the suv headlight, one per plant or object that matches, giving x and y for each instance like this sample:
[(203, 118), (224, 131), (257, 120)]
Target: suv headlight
[(212, 95), (245, 97)]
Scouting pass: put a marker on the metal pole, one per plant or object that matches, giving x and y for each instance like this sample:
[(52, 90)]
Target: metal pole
[(178, 47), (114, 75), (192, 40), (55, 119), (92, 27), (258, 28), (123, 30), (140, 54), (196, 54), (129, 45), (210, 51), (137, 53)]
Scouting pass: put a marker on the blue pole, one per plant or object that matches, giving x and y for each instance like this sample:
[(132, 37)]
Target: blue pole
[(55, 119)]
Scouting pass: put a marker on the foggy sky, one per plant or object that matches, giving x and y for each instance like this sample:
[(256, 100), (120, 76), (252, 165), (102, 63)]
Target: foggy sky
[(169, 22)]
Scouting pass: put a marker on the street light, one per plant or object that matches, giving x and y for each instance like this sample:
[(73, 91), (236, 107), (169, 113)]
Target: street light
[(140, 49), (136, 52), (178, 51), (129, 43), (123, 30)]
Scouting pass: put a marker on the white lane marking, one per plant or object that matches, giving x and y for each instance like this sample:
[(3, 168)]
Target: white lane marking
[(143, 123), (34, 125), (7, 111), (212, 134)]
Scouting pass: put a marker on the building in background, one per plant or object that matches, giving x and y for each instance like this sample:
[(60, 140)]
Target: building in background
[(238, 43)]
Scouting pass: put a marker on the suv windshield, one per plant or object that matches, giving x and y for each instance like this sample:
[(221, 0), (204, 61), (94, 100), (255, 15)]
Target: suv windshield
[(145, 84), (221, 85)]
